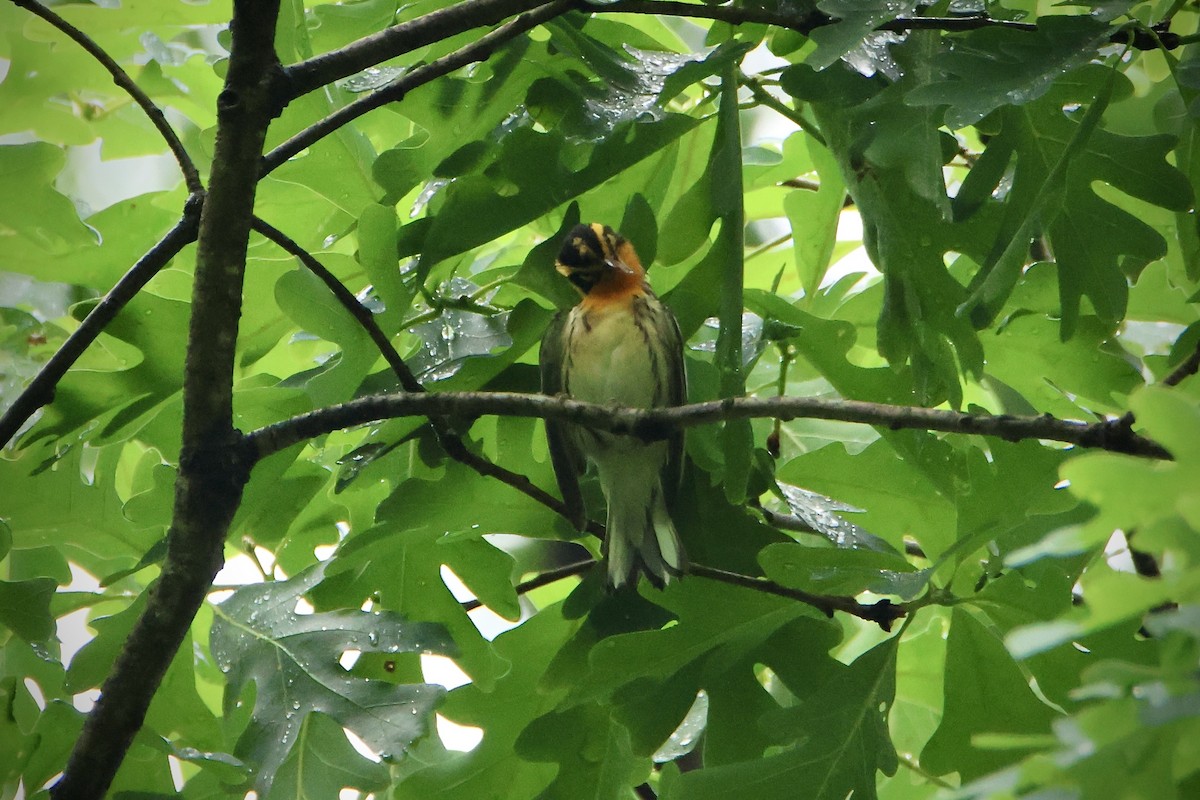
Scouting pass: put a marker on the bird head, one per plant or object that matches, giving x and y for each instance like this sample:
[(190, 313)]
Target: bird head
[(596, 255)]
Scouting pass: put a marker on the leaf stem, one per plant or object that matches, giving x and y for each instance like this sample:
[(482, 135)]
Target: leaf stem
[(765, 98)]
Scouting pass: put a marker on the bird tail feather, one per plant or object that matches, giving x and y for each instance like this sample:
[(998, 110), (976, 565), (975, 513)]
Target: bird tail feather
[(642, 538)]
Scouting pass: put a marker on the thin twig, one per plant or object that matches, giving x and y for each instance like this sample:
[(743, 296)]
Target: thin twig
[(479, 50), (882, 612), (651, 424), (436, 26), (40, 391), (191, 175), (1187, 368), (772, 102), (362, 315), (538, 581)]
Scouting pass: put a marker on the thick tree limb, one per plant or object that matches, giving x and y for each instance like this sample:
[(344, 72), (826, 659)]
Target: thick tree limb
[(121, 78), (212, 468), (40, 391), (399, 39), (479, 50), (651, 424)]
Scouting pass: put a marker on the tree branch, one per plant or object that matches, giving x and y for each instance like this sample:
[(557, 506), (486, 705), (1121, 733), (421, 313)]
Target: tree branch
[(544, 579), (397, 40), (40, 391), (806, 22), (213, 468), (649, 424), (882, 612), (362, 315), (121, 78), (1186, 368), (479, 50)]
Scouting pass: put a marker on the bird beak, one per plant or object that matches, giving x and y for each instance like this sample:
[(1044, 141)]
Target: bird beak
[(620, 266)]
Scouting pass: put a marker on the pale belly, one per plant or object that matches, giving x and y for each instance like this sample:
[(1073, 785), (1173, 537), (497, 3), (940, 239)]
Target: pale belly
[(611, 362)]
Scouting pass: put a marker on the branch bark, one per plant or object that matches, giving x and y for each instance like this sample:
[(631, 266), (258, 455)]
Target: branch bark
[(397, 40), (213, 468), (479, 50), (1115, 435), (808, 21), (191, 175)]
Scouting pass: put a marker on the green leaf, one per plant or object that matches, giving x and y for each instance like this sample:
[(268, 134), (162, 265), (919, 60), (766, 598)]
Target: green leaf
[(404, 572), (824, 570), (292, 659), (986, 693), (1088, 233), (994, 66), (377, 252), (504, 711), (813, 215), (892, 163), (25, 608), (855, 21), (592, 751), (843, 741), (40, 220), (322, 763), (303, 297), (531, 174)]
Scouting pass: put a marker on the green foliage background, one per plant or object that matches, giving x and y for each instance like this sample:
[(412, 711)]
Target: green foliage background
[(1036, 660)]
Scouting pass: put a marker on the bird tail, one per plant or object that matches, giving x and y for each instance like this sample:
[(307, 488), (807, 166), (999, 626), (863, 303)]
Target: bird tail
[(642, 538)]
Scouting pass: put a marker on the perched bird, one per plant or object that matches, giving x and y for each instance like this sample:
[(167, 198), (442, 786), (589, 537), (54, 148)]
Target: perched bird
[(620, 345)]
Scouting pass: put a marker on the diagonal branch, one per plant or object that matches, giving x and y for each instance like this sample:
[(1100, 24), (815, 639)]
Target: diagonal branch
[(362, 315), (1115, 435), (479, 50), (121, 78), (1186, 368), (805, 22), (543, 579), (436, 26), (882, 612), (40, 390), (449, 440)]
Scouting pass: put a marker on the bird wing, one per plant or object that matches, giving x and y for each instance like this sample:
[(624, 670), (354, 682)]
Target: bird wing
[(672, 473), (565, 457)]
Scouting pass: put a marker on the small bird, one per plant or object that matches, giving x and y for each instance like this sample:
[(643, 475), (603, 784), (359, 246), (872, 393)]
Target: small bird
[(620, 345)]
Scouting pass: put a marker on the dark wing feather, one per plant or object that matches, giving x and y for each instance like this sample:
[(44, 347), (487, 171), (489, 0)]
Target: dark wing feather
[(676, 396), (566, 459)]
